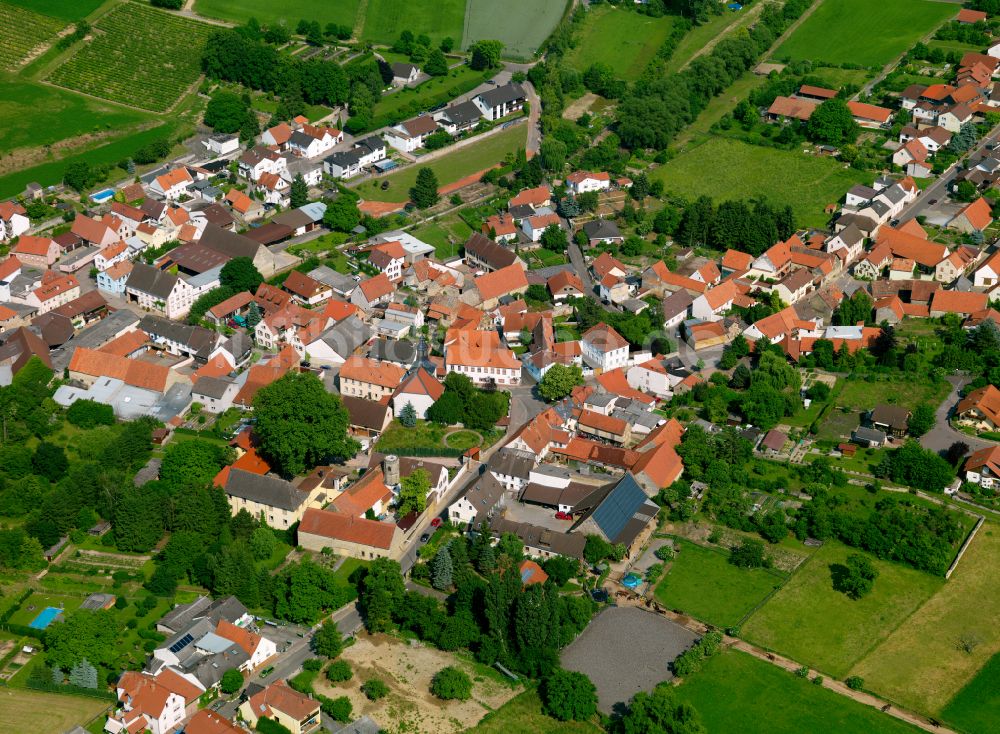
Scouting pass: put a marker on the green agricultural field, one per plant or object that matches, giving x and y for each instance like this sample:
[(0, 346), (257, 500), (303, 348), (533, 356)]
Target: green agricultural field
[(863, 32), (22, 30), (703, 583), (144, 57), (523, 714), (923, 664), (438, 19), (977, 706), (68, 10), (522, 25), (67, 116), (624, 40), (730, 169), (449, 168), (765, 699), (29, 712), (813, 624), (341, 12)]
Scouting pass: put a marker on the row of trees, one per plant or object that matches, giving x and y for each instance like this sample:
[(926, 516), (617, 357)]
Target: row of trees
[(746, 226), (463, 403)]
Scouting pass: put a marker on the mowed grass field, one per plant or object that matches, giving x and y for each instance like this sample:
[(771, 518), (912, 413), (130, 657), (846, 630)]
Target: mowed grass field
[(522, 25), (624, 40), (703, 583), (736, 692), (523, 715), (67, 115), (977, 706), (341, 12), (449, 168), (68, 10), (30, 712), (731, 169), (813, 624), (863, 395), (446, 234), (21, 30), (922, 664), (862, 31), (438, 19), (143, 57)]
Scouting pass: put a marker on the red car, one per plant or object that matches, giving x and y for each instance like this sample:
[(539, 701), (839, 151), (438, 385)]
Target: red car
[(435, 522), (563, 516)]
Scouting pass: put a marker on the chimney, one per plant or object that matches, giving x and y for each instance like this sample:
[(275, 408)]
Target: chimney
[(390, 470)]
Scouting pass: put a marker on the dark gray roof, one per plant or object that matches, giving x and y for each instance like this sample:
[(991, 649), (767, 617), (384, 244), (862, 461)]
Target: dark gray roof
[(863, 433), (850, 235), (293, 218), (512, 463), (239, 345), (543, 539), (196, 339), (494, 255), (340, 282), (462, 113), (347, 335), (894, 416), (601, 229), (400, 352), (300, 139), (860, 190), (620, 511), (210, 669), (484, 496), (677, 303), (228, 243), (264, 489), (345, 158), (370, 144), (521, 211), (554, 496), (502, 95), (153, 281), (213, 387), (402, 69), (365, 413), (229, 608)]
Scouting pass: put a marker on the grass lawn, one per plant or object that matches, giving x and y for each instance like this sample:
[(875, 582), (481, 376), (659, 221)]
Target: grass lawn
[(730, 169), (342, 12), (451, 167), (28, 712), (463, 440), (977, 706), (522, 25), (26, 613), (921, 664), (863, 395), (703, 583), (841, 32), (349, 566), (67, 10), (424, 435), (446, 234), (622, 39), (68, 115), (523, 714), (438, 19), (765, 699), (699, 36), (810, 622), (411, 100)]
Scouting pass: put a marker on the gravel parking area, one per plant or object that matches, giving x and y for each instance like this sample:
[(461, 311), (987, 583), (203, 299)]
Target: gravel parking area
[(625, 650)]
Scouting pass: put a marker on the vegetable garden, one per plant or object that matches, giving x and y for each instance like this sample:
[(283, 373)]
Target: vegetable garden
[(142, 57), (22, 30)]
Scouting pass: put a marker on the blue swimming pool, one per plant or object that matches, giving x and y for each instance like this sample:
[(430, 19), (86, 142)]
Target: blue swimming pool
[(101, 196), (45, 618)]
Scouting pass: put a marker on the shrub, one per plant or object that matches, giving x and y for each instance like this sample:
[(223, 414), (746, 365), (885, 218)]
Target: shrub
[(855, 683), (338, 708), (232, 681), (802, 672), (339, 671), (374, 689), (451, 684), (313, 665)]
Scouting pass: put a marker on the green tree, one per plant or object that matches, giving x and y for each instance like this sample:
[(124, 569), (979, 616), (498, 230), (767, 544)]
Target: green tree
[(749, 554), (596, 549), (856, 577), (253, 316), (328, 641), (299, 193), (922, 420), (436, 64), (442, 570), (192, 463), (659, 712), (342, 214), (87, 414), (408, 415), (80, 176), (375, 689), (833, 123), (262, 543), (554, 238), (226, 112), (569, 696), (338, 709), (559, 381), (966, 191), (447, 409), (50, 461), (83, 635), (232, 681), (451, 683), (240, 274), (486, 55), (381, 593), (300, 424), (424, 192), (413, 490), (339, 671), (83, 674), (553, 153)]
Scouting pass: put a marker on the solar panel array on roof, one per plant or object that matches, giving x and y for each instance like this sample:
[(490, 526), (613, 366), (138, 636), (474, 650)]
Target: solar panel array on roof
[(619, 507), (181, 643)]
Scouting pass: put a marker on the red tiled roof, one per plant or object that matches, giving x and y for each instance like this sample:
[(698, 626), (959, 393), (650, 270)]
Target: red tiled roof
[(959, 302), (279, 697), (978, 214), (348, 528), (500, 282), (31, 245), (604, 338), (869, 111), (376, 287), (363, 369)]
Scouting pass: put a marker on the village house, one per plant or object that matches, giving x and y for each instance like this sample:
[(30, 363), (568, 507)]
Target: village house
[(409, 135), (267, 497), (374, 291), (604, 348), (582, 182), (171, 185), (295, 711), (14, 220), (36, 252), (480, 356), (980, 409), (366, 378), (500, 101), (458, 118), (419, 389), (389, 258)]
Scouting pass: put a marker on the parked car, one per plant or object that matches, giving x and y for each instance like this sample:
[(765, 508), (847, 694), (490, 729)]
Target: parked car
[(267, 671), (436, 522), (563, 516), (425, 537)]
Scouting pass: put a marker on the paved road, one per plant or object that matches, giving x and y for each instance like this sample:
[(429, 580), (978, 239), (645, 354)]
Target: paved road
[(534, 116), (939, 189), (580, 266), (942, 436)]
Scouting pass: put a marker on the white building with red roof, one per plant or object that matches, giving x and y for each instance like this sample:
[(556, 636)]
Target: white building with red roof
[(153, 703), (480, 356), (172, 184), (604, 348), (419, 389), (582, 182), (390, 258), (13, 220)]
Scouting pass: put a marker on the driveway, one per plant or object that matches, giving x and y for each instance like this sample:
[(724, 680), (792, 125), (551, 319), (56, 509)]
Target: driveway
[(942, 436)]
